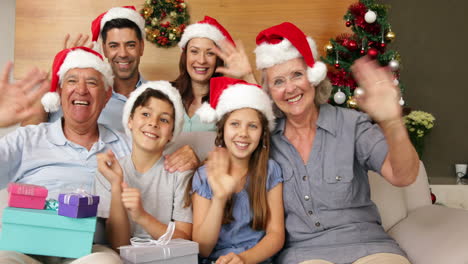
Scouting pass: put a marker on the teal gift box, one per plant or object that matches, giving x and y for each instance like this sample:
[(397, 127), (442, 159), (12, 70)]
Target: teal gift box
[(44, 232)]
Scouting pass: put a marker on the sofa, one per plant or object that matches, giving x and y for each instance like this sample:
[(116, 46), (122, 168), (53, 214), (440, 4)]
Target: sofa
[(430, 234)]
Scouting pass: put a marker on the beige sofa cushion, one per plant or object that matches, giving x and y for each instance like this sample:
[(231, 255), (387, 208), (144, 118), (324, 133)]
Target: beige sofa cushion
[(434, 234), (390, 200)]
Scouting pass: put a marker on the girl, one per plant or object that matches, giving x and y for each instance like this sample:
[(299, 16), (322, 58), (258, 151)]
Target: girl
[(202, 59), (237, 195), (138, 185)]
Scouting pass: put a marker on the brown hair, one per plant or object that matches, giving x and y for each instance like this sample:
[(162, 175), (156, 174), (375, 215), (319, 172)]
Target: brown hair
[(183, 82), (257, 175)]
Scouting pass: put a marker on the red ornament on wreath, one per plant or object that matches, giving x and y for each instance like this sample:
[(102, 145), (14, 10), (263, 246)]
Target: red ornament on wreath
[(348, 23), (372, 52)]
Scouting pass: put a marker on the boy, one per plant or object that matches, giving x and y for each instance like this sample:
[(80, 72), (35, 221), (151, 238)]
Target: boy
[(153, 117)]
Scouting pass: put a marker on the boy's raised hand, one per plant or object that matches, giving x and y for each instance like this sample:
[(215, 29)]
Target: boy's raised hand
[(110, 168), (217, 168), (131, 199)]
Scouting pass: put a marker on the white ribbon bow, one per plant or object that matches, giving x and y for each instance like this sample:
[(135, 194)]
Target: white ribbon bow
[(80, 192), (163, 240)]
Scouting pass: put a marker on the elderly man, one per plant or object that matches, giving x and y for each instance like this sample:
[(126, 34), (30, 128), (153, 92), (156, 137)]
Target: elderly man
[(62, 155)]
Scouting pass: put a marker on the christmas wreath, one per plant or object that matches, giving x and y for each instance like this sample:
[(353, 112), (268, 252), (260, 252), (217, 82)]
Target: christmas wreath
[(165, 21)]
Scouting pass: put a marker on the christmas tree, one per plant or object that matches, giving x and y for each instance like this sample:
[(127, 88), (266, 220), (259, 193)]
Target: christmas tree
[(371, 35)]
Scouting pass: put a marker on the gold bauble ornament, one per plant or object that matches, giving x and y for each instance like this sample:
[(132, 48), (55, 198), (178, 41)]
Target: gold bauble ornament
[(148, 2), (171, 36), (173, 14), (147, 30), (390, 36), (154, 21), (147, 12), (329, 47), (182, 5), (352, 103)]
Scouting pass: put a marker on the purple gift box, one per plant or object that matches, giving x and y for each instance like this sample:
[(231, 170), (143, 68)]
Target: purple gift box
[(78, 205)]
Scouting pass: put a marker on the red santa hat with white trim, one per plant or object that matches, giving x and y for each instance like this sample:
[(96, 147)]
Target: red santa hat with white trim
[(228, 94), (67, 59), (206, 28), (283, 42), (171, 92), (127, 12)]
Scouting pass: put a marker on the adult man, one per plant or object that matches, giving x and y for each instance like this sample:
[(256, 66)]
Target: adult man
[(62, 155)]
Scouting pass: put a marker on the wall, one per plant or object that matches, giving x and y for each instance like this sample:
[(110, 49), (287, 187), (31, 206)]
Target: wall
[(47, 21), (432, 39), (7, 39)]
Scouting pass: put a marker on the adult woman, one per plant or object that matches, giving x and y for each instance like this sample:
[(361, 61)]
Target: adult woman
[(202, 59), (325, 153)]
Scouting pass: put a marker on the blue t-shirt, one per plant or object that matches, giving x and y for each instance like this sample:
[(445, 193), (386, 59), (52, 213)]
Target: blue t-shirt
[(237, 236)]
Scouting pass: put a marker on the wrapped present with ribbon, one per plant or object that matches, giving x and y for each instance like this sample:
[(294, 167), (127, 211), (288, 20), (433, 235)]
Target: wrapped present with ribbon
[(161, 251), (26, 195), (78, 204), (43, 232)]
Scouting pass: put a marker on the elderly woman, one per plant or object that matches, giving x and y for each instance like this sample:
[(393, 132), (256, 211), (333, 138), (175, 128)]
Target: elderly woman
[(325, 153)]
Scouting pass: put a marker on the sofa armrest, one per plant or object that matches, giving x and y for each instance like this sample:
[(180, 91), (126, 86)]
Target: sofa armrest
[(433, 234), (418, 194)]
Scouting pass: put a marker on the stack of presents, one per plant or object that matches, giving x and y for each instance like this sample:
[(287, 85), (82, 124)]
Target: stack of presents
[(65, 228)]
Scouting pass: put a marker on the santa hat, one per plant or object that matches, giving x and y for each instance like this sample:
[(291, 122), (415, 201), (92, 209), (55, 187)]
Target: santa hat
[(283, 42), (228, 94), (207, 28), (67, 59), (166, 88), (127, 12)]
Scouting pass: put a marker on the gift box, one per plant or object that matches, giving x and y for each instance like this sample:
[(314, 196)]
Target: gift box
[(78, 205), (26, 195), (44, 232), (177, 251)]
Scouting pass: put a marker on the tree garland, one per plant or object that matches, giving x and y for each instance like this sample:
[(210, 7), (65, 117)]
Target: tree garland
[(165, 21)]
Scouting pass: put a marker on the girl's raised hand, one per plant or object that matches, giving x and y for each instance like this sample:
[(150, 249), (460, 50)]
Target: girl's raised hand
[(236, 62), (109, 167), (217, 168), (131, 200)]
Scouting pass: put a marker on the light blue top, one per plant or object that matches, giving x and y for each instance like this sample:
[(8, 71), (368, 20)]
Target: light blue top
[(111, 115), (195, 124), (328, 211), (42, 155), (237, 236)]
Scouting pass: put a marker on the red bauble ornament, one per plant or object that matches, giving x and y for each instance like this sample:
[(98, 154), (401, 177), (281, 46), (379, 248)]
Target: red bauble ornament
[(433, 198), (352, 45), (337, 65), (348, 23), (373, 52), (383, 45), (362, 52)]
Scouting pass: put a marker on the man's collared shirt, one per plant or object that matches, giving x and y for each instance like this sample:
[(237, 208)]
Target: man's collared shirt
[(42, 155), (111, 115)]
